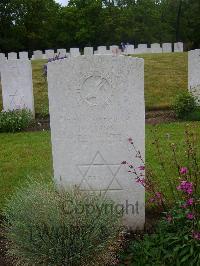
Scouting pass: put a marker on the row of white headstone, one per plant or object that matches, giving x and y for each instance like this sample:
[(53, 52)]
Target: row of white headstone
[(129, 49), (96, 105), (154, 48)]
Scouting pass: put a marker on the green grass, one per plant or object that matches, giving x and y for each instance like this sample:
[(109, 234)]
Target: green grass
[(29, 154), (23, 155), (165, 77)]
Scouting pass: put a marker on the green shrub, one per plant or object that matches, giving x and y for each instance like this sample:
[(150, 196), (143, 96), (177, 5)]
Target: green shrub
[(184, 104), (13, 121), (47, 227), (169, 245)]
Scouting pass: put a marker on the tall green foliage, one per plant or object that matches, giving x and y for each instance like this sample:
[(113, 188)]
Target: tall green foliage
[(42, 24)]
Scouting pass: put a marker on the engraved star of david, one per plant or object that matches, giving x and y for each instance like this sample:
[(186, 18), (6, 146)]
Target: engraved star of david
[(17, 103), (99, 175)]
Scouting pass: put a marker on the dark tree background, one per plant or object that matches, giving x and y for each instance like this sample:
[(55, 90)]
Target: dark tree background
[(44, 24)]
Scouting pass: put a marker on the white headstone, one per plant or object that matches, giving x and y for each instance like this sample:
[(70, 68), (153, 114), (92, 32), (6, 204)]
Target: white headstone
[(96, 104), (2, 56), (37, 55), (114, 47), (167, 47), (88, 51), (178, 47), (61, 52), (12, 55), (142, 48), (155, 48), (130, 49), (17, 88), (2, 59), (74, 52), (23, 55), (49, 54), (194, 73), (101, 50)]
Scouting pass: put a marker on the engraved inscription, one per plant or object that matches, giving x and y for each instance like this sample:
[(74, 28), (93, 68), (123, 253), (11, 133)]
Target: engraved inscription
[(16, 101), (99, 175), (96, 90)]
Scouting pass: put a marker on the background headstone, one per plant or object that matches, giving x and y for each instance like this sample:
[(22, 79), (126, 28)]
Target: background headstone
[(2, 56), (49, 54), (194, 73), (88, 51), (178, 47), (12, 55), (130, 49), (74, 52), (101, 50), (142, 48), (17, 88), (167, 47), (155, 48), (96, 104), (61, 52), (37, 55), (23, 55)]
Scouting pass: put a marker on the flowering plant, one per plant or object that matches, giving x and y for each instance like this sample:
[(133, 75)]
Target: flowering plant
[(182, 207), (176, 237)]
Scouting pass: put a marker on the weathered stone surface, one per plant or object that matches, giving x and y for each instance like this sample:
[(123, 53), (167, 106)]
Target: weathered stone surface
[(61, 52), (96, 104), (12, 55), (2, 56), (130, 49), (17, 88), (74, 52), (37, 55), (194, 73), (142, 48), (49, 54), (23, 55), (155, 48), (102, 50), (178, 47), (167, 47), (88, 51)]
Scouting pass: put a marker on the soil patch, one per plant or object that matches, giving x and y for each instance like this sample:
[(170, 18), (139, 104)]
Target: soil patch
[(152, 118)]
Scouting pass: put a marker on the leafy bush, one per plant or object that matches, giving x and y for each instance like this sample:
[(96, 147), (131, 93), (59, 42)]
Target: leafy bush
[(49, 227), (169, 245), (13, 121), (176, 240), (184, 104)]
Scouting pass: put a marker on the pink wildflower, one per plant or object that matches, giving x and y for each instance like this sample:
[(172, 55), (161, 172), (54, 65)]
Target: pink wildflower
[(186, 187), (190, 216), (184, 206), (196, 235), (183, 170), (141, 168), (141, 181), (151, 200), (190, 202), (158, 195), (169, 218)]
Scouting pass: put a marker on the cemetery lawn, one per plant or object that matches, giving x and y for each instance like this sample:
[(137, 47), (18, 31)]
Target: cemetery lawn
[(165, 77), (28, 154)]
